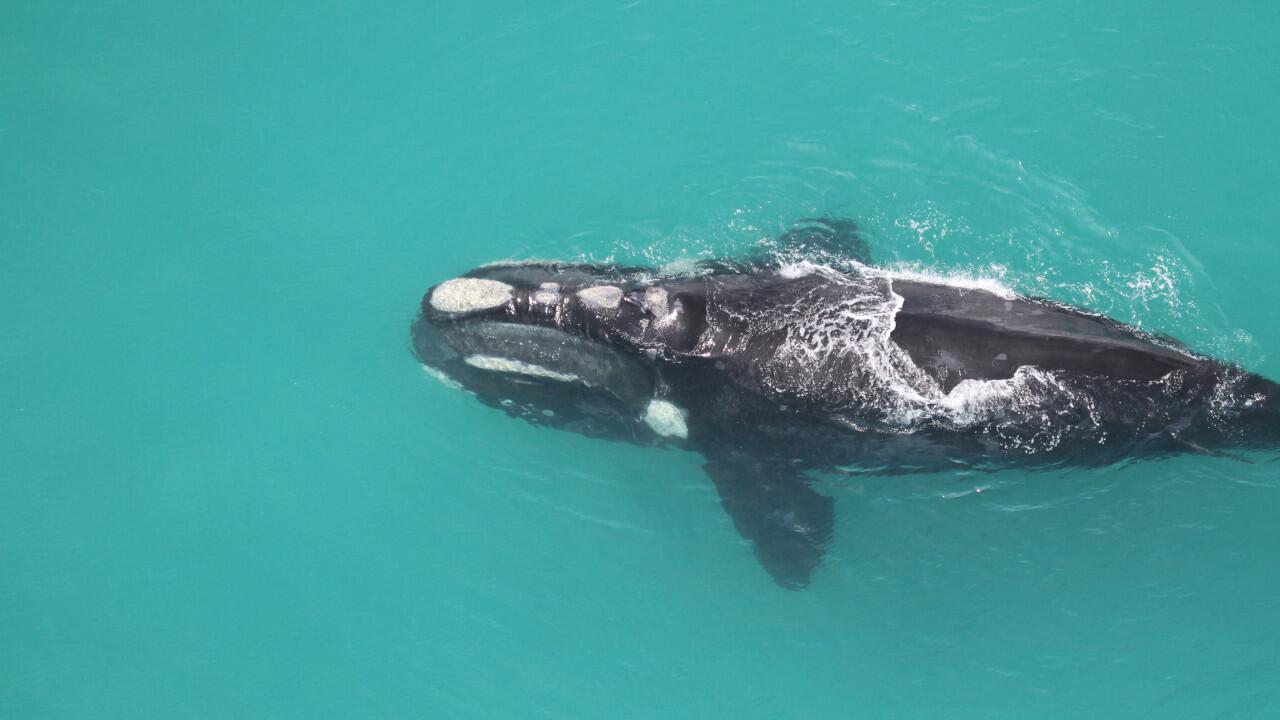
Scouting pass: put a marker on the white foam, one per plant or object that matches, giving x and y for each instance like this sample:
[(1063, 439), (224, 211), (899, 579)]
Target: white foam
[(518, 367), (803, 268), (838, 349), (974, 401), (604, 297), (681, 267), (954, 279), (440, 375), (470, 294), (666, 419)]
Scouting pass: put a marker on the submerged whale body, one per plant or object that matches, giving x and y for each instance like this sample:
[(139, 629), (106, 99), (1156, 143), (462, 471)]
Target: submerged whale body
[(773, 371)]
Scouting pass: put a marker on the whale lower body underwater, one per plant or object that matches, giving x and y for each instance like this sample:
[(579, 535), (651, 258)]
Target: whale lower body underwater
[(774, 372)]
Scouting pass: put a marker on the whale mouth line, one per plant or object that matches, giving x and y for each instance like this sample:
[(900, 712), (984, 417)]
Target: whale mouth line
[(494, 363), (442, 377)]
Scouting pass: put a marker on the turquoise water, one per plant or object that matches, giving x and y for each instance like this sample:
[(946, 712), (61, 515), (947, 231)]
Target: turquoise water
[(228, 491)]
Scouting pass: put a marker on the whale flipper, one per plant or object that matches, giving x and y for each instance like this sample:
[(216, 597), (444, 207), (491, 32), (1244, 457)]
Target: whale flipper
[(828, 236), (771, 505)]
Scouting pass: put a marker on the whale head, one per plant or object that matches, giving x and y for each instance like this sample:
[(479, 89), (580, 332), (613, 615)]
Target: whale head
[(551, 343)]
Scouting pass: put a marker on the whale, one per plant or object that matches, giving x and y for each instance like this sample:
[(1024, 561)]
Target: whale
[(779, 371)]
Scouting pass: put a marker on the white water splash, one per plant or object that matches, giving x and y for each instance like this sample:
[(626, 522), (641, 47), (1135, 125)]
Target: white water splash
[(838, 351)]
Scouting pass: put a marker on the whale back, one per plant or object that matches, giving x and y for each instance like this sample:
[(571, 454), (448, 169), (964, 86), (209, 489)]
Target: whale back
[(956, 333)]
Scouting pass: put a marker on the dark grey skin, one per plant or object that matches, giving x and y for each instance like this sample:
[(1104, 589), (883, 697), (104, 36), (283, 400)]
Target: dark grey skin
[(774, 373)]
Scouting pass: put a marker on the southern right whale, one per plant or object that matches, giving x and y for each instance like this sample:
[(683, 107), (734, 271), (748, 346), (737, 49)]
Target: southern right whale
[(773, 371)]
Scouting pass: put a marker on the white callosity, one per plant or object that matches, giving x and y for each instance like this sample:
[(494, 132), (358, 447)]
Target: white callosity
[(461, 295), (444, 379), (655, 301), (548, 293), (601, 297), (666, 419), (518, 367)]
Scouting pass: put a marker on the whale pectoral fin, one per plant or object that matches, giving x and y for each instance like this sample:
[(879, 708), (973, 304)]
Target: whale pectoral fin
[(787, 523), (834, 237)]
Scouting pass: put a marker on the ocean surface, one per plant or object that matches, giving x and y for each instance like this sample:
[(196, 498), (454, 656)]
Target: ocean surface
[(227, 490)]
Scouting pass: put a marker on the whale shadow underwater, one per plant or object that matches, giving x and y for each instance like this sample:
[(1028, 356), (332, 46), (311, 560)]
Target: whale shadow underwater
[(773, 371)]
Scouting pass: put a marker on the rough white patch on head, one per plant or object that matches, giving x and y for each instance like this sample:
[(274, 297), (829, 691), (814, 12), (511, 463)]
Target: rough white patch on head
[(548, 293), (666, 419), (655, 301), (440, 375), (518, 367), (601, 297), (470, 294)]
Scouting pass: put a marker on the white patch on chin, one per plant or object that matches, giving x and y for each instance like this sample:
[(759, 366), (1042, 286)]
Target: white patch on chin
[(444, 379), (518, 367), (461, 295), (666, 419), (601, 297)]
